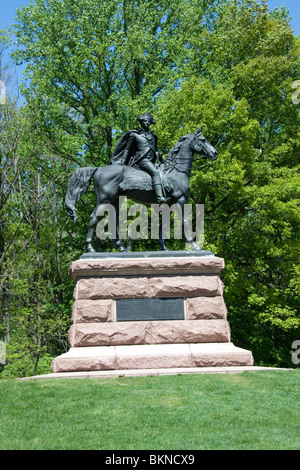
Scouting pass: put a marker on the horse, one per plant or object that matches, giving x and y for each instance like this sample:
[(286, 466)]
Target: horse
[(113, 181)]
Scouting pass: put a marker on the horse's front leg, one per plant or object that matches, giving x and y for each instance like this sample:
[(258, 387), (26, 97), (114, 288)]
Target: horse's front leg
[(186, 226), (161, 240)]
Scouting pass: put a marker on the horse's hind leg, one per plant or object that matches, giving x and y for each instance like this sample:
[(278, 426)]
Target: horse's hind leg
[(117, 242), (94, 219), (113, 222), (89, 238)]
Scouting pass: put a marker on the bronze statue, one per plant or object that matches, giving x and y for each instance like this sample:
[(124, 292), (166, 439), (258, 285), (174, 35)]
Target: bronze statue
[(138, 148), (132, 173)]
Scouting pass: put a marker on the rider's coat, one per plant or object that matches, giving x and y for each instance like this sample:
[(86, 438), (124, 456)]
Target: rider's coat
[(135, 146)]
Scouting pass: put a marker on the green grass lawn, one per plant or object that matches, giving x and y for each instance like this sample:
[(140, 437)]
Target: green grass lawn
[(251, 410)]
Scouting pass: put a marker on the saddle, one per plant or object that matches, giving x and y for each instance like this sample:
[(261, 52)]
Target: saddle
[(135, 179)]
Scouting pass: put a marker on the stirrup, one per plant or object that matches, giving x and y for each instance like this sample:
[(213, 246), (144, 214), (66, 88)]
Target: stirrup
[(161, 200)]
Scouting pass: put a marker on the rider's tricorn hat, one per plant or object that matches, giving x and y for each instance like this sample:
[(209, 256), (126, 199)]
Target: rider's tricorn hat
[(146, 115)]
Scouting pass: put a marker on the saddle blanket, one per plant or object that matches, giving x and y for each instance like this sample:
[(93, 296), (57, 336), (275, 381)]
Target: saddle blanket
[(139, 180)]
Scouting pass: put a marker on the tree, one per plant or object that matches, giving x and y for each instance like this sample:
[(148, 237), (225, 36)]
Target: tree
[(32, 286), (94, 66), (251, 194), (32, 281)]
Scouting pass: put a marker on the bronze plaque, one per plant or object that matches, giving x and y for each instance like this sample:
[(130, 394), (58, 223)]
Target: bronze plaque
[(150, 309)]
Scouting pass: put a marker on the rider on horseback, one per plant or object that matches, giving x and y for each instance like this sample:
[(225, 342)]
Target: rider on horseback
[(138, 148)]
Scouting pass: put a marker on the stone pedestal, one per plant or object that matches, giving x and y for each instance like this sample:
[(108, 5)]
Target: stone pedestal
[(149, 311)]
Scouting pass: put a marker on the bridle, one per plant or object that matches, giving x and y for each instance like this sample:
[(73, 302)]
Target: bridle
[(174, 159)]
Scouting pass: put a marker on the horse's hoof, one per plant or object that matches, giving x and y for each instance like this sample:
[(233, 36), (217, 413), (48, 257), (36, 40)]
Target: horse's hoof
[(120, 247), (91, 249), (194, 246)]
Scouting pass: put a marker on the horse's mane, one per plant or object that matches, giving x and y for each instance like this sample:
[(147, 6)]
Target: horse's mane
[(170, 159)]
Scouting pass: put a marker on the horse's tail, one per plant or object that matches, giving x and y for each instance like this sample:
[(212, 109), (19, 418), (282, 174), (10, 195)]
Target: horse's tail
[(78, 185)]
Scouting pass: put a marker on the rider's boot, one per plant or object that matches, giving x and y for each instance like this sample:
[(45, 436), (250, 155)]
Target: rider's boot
[(157, 186)]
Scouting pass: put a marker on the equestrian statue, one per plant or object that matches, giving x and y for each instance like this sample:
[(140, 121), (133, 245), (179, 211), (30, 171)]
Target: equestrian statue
[(136, 170)]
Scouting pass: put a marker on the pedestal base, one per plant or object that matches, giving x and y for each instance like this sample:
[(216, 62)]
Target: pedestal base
[(145, 312), (159, 356)]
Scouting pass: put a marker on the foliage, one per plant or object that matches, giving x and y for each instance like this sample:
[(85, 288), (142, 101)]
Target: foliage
[(34, 293), (251, 194), (91, 68), (94, 65)]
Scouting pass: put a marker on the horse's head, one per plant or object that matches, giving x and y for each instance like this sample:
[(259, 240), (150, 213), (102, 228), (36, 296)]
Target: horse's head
[(201, 145), (180, 157)]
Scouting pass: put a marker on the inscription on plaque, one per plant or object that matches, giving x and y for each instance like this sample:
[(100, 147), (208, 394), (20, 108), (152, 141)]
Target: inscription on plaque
[(149, 309)]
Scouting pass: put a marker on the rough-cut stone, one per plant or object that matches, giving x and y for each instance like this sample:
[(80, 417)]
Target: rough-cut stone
[(98, 342), (205, 307), (189, 331), (157, 356), (102, 334), (148, 332), (92, 311), (149, 357), (218, 357), (85, 359), (111, 288), (146, 266), (145, 287), (185, 286)]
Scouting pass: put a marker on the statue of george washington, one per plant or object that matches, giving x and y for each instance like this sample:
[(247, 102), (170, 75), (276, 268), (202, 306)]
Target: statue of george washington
[(138, 148)]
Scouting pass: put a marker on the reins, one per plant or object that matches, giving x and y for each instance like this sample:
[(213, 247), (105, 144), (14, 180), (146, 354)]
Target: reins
[(175, 159)]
